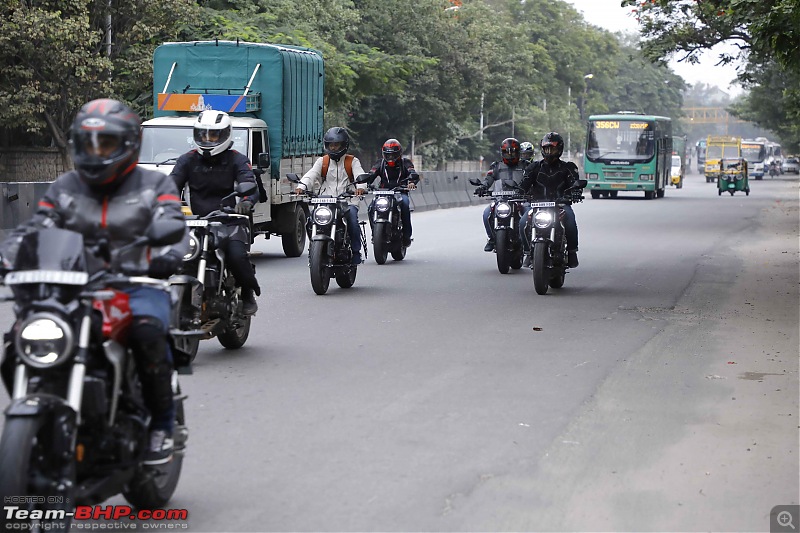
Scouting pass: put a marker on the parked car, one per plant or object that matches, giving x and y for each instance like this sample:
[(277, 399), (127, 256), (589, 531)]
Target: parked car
[(791, 164)]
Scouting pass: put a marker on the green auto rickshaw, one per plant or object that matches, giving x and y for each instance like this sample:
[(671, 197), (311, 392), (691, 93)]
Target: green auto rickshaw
[(733, 176)]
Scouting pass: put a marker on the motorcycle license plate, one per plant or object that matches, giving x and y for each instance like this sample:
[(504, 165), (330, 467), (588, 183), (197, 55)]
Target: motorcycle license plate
[(503, 193), (543, 204), (60, 277), (197, 223), (387, 193), (323, 200)]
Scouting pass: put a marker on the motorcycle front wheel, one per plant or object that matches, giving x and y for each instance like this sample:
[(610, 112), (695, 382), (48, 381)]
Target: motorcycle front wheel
[(540, 270), (153, 486), (379, 247), (27, 468), (316, 263), (503, 253)]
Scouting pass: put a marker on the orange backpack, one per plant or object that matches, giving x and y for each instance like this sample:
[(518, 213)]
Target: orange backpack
[(348, 166)]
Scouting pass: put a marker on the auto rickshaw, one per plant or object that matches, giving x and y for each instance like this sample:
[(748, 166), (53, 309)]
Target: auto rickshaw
[(733, 176)]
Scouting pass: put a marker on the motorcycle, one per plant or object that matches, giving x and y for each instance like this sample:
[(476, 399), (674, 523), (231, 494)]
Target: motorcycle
[(549, 246), (387, 224), (209, 302), (76, 429), (330, 253), (506, 209)]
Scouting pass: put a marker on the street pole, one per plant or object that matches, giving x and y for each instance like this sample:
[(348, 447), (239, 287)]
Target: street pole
[(569, 113)]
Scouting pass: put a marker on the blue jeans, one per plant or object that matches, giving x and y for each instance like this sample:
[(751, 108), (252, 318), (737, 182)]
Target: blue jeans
[(155, 365), (487, 214), (570, 229), (351, 215)]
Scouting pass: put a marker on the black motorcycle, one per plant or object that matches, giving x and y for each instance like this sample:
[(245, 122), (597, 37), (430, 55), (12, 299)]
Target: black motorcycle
[(76, 430), (330, 253), (506, 208), (549, 261), (205, 293), (387, 224)]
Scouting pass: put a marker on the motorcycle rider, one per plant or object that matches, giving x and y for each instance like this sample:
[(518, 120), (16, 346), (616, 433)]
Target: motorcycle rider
[(525, 154), (211, 171), (545, 180), (111, 200), (395, 170), (506, 171), (336, 180)]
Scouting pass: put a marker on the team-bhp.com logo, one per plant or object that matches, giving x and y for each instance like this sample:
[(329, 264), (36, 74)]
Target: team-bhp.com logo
[(18, 515)]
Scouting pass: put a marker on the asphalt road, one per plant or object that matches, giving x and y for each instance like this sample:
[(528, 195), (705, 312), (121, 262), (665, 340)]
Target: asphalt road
[(658, 390)]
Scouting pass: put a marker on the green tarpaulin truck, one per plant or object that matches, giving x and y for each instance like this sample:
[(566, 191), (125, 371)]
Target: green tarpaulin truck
[(274, 95)]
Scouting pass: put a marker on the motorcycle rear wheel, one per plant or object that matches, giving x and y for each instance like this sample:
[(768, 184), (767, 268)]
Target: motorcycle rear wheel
[(503, 253), (25, 448), (346, 279), (379, 247), (153, 486), (540, 270), (399, 253), (557, 281), (320, 279), (235, 338)]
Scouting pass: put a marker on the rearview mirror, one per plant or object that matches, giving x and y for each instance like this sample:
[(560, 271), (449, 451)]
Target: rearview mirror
[(474, 181), (246, 188), (363, 178), (582, 183), (294, 178), (263, 160)]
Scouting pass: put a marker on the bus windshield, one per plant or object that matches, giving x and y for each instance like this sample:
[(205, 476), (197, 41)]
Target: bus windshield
[(754, 153), (620, 139)]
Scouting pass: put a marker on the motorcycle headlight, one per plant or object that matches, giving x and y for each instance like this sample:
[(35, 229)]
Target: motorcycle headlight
[(382, 204), (44, 340), (194, 248), (542, 219), (503, 210), (323, 216)]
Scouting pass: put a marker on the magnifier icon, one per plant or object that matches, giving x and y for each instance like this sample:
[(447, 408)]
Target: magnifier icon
[(785, 519)]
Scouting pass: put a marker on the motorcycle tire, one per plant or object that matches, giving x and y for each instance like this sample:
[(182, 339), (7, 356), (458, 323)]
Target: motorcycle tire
[(540, 270), (517, 257), (320, 279), (346, 279), (503, 253), (235, 338), (557, 280), (24, 453), (294, 241), (399, 253), (379, 247), (153, 486)]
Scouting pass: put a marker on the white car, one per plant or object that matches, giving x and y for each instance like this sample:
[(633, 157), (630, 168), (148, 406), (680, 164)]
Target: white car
[(791, 165)]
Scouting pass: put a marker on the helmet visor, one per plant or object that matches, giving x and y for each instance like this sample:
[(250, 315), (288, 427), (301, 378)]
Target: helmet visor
[(549, 150), (209, 138), (100, 146), (334, 146)]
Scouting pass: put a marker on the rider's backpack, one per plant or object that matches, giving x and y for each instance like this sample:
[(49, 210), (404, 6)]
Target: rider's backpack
[(348, 166)]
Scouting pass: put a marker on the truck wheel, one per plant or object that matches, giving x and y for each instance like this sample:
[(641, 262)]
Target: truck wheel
[(649, 195), (595, 195), (294, 240)]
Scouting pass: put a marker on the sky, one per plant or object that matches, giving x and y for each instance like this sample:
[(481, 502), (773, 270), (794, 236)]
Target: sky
[(609, 15)]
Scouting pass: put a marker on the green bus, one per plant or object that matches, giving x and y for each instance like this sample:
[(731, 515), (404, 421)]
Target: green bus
[(628, 152)]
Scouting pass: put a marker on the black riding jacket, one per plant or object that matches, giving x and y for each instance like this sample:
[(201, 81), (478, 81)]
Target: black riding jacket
[(505, 174), (392, 177), (212, 179), (545, 181)]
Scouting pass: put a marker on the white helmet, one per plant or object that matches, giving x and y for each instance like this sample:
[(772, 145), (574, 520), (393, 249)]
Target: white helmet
[(212, 132)]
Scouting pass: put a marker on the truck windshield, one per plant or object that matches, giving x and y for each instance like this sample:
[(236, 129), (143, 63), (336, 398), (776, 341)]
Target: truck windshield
[(619, 139), (162, 144)]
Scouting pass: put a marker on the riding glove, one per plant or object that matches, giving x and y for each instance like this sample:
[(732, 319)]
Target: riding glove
[(163, 266), (244, 207)]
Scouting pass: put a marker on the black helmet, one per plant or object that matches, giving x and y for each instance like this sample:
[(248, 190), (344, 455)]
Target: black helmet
[(105, 141), (336, 135), (392, 152), (509, 151), (552, 146)]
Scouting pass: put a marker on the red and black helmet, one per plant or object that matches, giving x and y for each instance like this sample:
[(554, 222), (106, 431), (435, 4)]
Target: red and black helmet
[(105, 141), (392, 152), (552, 146), (509, 151)]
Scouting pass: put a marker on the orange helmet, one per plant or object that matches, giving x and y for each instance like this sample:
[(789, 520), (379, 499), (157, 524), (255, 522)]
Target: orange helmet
[(392, 152)]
